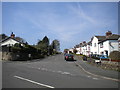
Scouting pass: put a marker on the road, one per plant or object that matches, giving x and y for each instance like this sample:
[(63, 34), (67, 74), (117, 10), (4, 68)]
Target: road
[(55, 72)]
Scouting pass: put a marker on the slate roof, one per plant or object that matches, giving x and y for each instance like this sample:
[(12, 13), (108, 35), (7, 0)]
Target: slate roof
[(9, 38), (100, 38), (112, 37)]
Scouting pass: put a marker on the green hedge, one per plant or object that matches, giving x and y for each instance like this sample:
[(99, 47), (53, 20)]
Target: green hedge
[(115, 55)]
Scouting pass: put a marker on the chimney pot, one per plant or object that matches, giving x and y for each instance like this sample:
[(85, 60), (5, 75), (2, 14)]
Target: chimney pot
[(109, 33), (12, 35)]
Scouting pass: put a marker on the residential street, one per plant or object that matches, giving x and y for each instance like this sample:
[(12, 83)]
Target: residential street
[(55, 72)]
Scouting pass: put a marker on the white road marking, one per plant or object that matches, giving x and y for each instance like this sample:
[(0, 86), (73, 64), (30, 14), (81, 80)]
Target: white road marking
[(97, 75), (65, 73), (59, 71), (44, 69), (49, 70), (95, 78), (88, 76), (34, 82)]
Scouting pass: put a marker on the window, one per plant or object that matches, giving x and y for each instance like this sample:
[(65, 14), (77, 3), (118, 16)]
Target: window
[(94, 44), (102, 53), (101, 45)]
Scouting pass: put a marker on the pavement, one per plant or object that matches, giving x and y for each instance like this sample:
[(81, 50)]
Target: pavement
[(97, 70)]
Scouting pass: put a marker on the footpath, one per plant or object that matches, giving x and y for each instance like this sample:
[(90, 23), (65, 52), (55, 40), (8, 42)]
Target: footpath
[(96, 71)]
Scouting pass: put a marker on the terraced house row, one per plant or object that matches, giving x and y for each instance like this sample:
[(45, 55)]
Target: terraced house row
[(101, 45)]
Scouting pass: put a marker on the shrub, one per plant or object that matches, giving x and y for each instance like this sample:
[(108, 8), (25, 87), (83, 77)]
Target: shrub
[(115, 55), (75, 51)]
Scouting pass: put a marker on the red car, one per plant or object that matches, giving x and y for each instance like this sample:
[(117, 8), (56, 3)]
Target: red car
[(69, 57)]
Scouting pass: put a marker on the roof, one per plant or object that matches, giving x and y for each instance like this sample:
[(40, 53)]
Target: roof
[(89, 43), (100, 38), (9, 38), (112, 37)]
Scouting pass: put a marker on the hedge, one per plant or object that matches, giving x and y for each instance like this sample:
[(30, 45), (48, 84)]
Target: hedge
[(115, 55)]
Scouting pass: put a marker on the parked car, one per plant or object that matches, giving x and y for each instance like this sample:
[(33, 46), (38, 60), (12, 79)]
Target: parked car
[(84, 58), (69, 57), (103, 57)]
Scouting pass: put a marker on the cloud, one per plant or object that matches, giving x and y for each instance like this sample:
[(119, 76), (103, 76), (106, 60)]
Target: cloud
[(68, 27), (63, 27)]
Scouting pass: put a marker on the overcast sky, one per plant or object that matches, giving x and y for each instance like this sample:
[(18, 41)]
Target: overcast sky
[(68, 22)]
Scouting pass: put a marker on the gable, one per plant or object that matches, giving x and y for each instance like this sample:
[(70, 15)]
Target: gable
[(95, 39), (9, 42)]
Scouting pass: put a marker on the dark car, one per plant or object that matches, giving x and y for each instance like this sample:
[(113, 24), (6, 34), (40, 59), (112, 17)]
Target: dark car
[(69, 57), (84, 58)]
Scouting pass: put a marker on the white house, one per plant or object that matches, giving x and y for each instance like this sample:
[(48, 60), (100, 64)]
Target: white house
[(119, 43), (109, 44), (78, 50), (84, 47), (101, 45), (9, 41), (94, 44), (71, 50), (88, 48)]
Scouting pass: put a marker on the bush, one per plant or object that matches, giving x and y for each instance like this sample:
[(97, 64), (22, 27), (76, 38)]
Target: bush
[(115, 55), (75, 51)]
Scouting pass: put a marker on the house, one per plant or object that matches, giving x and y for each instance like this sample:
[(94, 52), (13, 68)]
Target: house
[(10, 41), (109, 44), (119, 43), (88, 48), (71, 50), (94, 44), (83, 48), (78, 50), (101, 45)]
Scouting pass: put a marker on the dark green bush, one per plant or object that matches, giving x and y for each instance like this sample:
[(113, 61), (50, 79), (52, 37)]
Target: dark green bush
[(115, 55)]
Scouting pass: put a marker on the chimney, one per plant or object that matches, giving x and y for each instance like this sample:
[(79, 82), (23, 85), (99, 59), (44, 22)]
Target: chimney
[(84, 42), (12, 35), (109, 33)]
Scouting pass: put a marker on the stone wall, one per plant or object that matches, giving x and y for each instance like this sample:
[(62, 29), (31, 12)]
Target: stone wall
[(6, 56), (13, 56)]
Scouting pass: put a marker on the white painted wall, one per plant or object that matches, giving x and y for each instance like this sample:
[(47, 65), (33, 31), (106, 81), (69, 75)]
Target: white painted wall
[(105, 47), (84, 50), (94, 49), (119, 43), (9, 42), (114, 45), (88, 50), (71, 49), (78, 50), (109, 45)]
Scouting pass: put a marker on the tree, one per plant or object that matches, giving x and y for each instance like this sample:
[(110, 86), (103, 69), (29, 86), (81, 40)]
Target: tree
[(50, 50), (66, 50), (75, 51), (21, 40), (46, 40), (3, 36), (56, 45), (43, 45)]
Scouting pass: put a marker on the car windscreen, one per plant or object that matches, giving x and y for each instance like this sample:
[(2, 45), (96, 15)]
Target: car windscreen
[(68, 55)]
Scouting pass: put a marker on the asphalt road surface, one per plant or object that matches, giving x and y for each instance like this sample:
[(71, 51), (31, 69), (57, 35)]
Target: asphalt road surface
[(55, 72)]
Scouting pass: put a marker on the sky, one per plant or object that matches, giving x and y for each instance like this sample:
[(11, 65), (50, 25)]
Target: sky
[(69, 22)]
